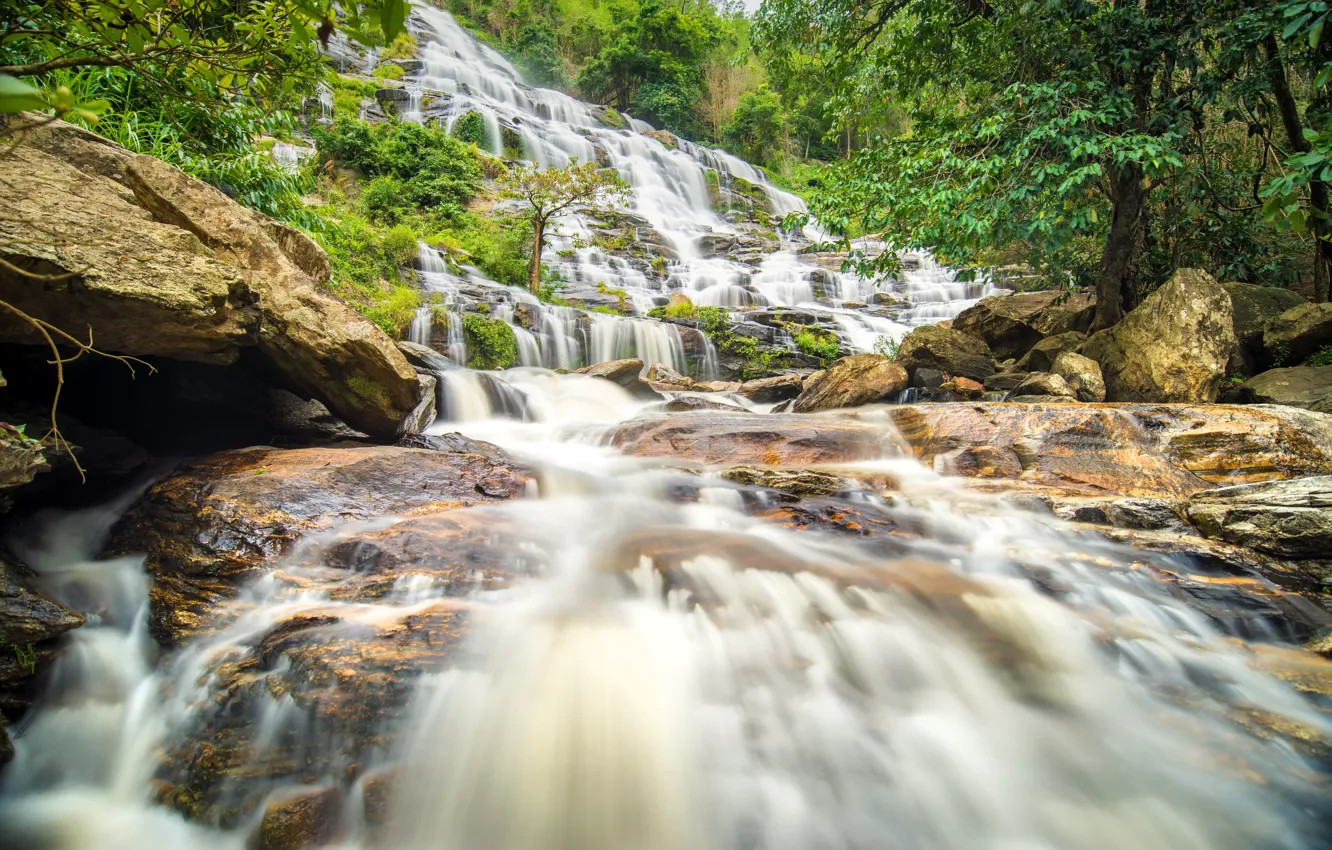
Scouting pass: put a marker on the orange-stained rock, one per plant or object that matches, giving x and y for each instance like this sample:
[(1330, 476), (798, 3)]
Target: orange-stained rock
[(853, 381), (1133, 450), (301, 819), (710, 437), (216, 522)]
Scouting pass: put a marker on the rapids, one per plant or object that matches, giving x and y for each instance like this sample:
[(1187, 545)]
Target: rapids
[(671, 672)]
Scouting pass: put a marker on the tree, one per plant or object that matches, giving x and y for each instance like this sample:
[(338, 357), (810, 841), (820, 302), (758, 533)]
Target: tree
[(551, 192), (1047, 125), (756, 129)]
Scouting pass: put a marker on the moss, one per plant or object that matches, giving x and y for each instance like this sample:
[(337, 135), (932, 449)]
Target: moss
[(612, 119), (403, 47), (389, 72), (817, 342), (367, 389), (621, 297), (491, 344)]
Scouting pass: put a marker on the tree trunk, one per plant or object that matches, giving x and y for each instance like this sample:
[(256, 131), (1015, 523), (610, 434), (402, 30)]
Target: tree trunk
[(534, 268), (1123, 247)]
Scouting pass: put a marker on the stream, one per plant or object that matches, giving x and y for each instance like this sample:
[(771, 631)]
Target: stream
[(632, 654)]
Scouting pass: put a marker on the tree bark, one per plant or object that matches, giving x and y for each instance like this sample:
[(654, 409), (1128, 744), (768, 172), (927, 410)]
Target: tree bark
[(1118, 278), (1318, 190), (534, 268)]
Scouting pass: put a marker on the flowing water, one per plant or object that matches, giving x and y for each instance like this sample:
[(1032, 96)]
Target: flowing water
[(662, 668)]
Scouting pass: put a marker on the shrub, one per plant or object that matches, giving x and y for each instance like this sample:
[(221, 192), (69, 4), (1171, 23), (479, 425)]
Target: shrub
[(403, 47), (388, 72), (887, 346), (400, 245), (384, 199), (491, 344), (817, 342), (472, 128), (1322, 357)]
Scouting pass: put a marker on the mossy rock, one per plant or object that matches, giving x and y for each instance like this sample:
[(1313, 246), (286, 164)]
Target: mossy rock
[(491, 344)]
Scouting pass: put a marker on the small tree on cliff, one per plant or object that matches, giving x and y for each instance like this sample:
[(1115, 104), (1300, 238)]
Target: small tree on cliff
[(553, 191)]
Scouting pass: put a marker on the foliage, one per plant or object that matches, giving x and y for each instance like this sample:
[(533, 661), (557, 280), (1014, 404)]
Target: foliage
[(538, 56), (755, 130), (819, 343), (402, 47), (547, 193), (887, 346), (491, 343), (388, 71), (498, 245), (364, 262), (1322, 357), (716, 323), (412, 167), (472, 128)]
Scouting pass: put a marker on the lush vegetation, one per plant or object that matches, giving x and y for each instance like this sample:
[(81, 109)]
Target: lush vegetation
[(1101, 144), (491, 344)]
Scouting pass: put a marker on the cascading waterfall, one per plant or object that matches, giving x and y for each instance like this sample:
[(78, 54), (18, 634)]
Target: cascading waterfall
[(672, 199)]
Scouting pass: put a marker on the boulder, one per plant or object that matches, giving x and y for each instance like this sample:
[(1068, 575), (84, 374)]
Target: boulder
[(1004, 381), (1173, 347), (152, 262), (928, 379), (1044, 384), (853, 381), (665, 379), (1253, 308), (31, 627), (1298, 386), (1011, 324), (1082, 374), (219, 521), (301, 819), (1289, 519), (623, 373), (950, 351), (1043, 354), (1147, 451), (773, 389), (1297, 334)]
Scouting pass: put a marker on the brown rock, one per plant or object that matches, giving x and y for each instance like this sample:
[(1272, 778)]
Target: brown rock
[(775, 388), (1044, 384), (623, 373), (301, 819), (1173, 347), (1298, 333), (1137, 450), (1082, 374), (1043, 354), (218, 521), (1253, 308), (853, 381), (968, 387), (950, 351), (1012, 324), (775, 439), (1309, 387)]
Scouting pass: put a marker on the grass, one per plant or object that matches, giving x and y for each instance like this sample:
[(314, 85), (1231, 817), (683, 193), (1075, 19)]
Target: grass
[(819, 343)]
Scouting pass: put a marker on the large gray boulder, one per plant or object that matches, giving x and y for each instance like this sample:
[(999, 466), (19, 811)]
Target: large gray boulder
[(152, 262), (952, 352), (853, 381), (1082, 374), (1309, 387), (1289, 519), (1253, 308), (1297, 334), (1173, 347), (627, 373)]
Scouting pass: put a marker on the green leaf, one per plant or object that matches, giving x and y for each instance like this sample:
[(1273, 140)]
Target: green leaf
[(392, 18), (1295, 26), (17, 96), (1316, 32)]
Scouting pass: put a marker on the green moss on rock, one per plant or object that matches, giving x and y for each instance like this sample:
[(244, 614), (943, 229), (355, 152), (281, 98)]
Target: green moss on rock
[(491, 344)]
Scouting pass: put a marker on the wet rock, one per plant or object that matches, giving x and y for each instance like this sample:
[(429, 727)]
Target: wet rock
[(1253, 308), (715, 244), (853, 381), (1289, 519), (665, 379), (1174, 346), (1298, 333), (1044, 384), (22, 458), (717, 386), (751, 439), (964, 387), (1043, 354), (159, 263), (797, 482), (27, 615), (768, 390), (949, 351), (424, 358), (1082, 374), (308, 419), (1131, 450), (622, 373), (219, 521), (1309, 387), (666, 137), (302, 819), (1004, 381)]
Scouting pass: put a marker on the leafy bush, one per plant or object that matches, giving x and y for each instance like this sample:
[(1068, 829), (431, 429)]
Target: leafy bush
[(491, 343), (887, 346), (817, 342), (755, 129), (499, 246), (384, 199), (400, 245), (388, 72), (365, 269), (403, 47), (472, 128), (1322, 357)]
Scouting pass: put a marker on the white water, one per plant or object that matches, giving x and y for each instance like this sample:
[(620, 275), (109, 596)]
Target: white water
[(761, 688), (671, 194)]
